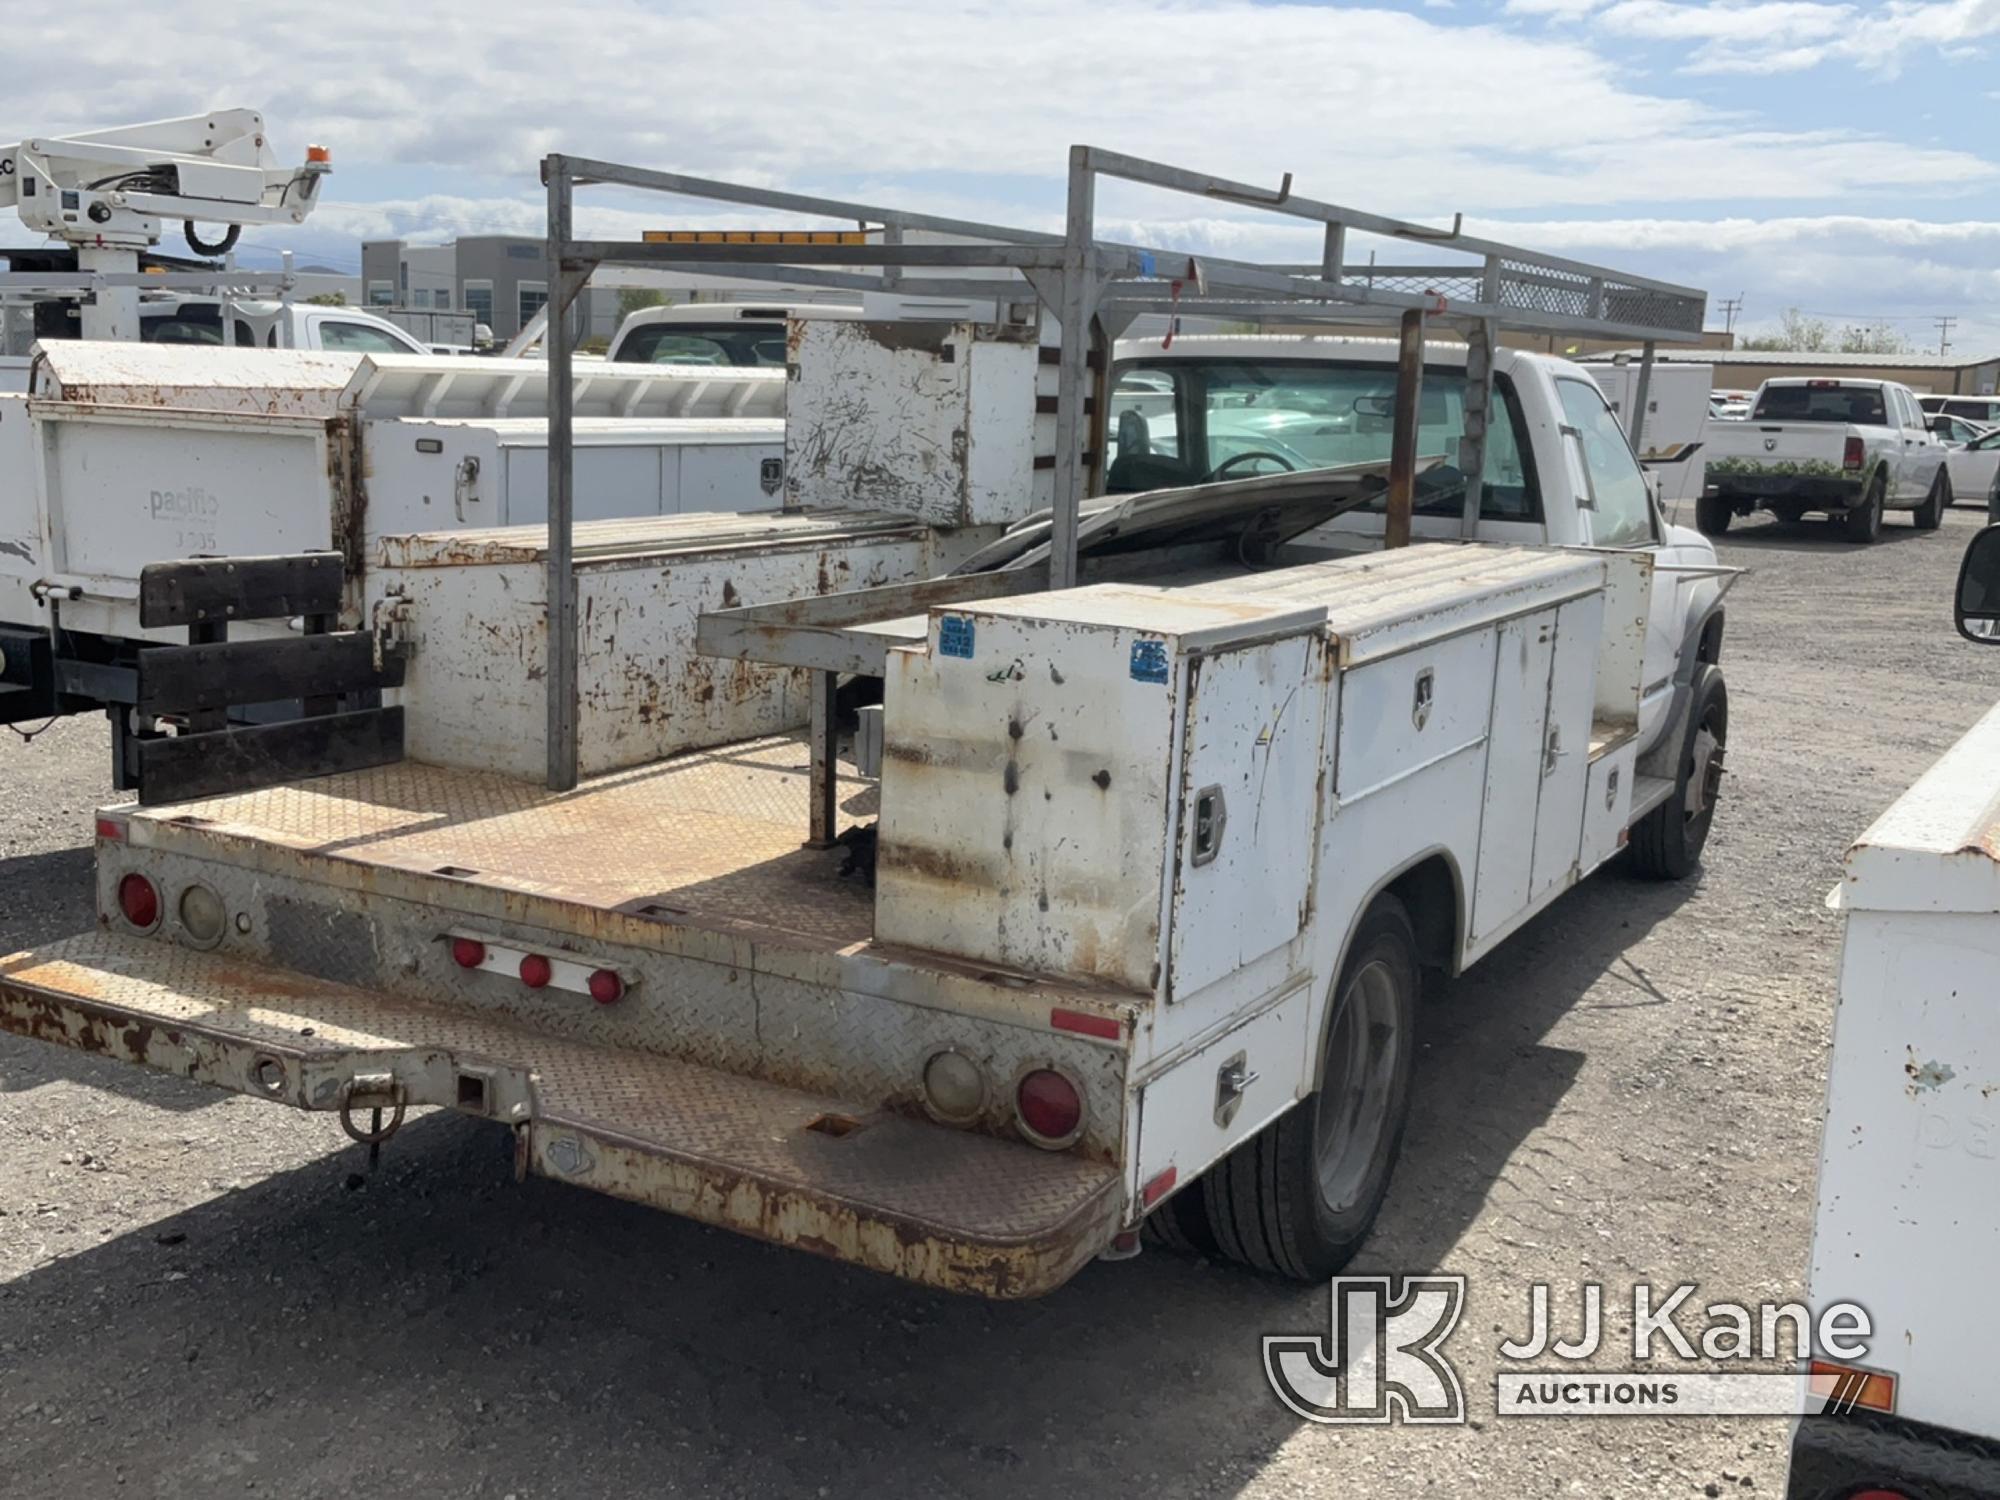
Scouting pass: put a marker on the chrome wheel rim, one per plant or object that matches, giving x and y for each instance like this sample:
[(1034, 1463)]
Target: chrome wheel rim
[(1361, 1061)]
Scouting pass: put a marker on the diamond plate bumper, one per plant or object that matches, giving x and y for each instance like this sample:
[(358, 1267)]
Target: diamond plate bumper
[(964, 1212)]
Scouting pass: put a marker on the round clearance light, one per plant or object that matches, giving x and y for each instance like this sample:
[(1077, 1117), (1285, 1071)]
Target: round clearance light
[(954, 1088), (139, 899), (536, 971), (468, 953), (202, 914), (606, 988), (1049, 1107)]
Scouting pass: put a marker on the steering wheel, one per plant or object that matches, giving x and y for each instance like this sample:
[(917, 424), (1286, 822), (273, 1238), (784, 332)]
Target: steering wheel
[(1247, 454)]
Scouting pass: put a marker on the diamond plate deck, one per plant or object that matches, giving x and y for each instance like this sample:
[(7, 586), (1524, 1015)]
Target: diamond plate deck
[(709, 835), (944, 1207)]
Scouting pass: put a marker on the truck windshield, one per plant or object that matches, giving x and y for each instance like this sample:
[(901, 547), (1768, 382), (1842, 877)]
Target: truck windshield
[(1250, 418), (1821, 403), (740, 343)]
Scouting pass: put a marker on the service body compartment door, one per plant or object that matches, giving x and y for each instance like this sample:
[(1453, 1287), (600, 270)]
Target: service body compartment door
[(1515, 747), (1566, 743), (1249, 806)]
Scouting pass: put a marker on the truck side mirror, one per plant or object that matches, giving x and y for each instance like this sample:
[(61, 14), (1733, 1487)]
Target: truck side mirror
[(1978, 609)]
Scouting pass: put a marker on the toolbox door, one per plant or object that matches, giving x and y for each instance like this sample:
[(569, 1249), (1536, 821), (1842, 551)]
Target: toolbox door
[(1514, 754), (1566, 743), (1248, 811)]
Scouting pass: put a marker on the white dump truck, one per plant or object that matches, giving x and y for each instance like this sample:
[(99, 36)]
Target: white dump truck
[(1111, 910), (1908, 1223)]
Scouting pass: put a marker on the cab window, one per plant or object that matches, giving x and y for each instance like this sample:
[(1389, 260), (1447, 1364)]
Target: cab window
[(1613, 481), (359, 338), (1199, 421)]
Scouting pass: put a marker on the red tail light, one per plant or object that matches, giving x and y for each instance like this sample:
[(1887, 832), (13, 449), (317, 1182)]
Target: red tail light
[(468, 953), (139, 899), (1050, 1109), (1855, 456), (606, 988), (536, 971)]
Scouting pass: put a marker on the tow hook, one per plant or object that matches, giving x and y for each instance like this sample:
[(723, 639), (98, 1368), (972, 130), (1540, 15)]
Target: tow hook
[(373, 1092)]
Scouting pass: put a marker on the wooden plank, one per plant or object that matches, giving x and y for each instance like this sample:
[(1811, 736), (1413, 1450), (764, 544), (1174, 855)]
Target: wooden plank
[(206, 590), (234, 760), (185, 679)]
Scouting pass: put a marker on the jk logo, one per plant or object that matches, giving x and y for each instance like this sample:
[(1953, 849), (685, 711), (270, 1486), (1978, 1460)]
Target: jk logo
[(1379, 1360)]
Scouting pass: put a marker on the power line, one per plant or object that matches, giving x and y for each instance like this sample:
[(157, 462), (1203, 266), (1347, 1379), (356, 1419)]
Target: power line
[(1731, 306), (1944, 327)]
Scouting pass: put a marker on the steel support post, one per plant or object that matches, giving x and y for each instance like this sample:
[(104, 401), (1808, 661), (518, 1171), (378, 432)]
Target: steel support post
[(1079, 297), (561, 584), (1479, 341), (1642, 393), (1403, 442), (822, 830)]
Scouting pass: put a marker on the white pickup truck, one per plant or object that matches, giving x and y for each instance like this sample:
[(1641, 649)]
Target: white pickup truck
[(1908, 1221), (1138, 888), (1850, 448)]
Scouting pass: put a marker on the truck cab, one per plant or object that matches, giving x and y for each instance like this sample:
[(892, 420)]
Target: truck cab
[(1559, 470)]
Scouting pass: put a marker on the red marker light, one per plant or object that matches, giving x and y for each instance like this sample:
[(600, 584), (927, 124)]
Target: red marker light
[(536, 971), (606, 987), (139, 899), (468, 953), (111, 828), (1049, 1107)]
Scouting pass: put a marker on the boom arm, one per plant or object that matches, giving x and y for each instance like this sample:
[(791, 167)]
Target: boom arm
[(106, 192)]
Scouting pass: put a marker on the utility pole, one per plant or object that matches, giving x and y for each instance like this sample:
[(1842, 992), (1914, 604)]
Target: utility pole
[(1731, 306), (1944, 335)]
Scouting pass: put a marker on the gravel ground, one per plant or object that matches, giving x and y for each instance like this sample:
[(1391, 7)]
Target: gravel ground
[(204, 1295)]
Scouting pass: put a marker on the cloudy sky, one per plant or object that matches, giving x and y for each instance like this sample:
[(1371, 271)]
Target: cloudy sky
[(1839, 158)]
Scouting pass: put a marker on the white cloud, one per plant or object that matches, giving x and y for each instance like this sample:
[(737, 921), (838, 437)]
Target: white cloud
[(1363, 104), (1780, 36)]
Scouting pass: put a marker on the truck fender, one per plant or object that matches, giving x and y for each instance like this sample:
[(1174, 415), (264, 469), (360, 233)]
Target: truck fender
[(1701, 645), (1432, 886)]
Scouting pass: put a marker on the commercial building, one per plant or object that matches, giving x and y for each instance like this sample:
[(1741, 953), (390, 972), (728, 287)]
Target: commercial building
[(501, 279)]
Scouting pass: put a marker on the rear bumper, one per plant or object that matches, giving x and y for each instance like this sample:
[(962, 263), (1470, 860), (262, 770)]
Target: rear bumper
[(1833, 1458), (1815, 491), (950, 1209)]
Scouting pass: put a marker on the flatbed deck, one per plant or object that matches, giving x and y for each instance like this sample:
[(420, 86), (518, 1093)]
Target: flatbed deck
[(710, 838)]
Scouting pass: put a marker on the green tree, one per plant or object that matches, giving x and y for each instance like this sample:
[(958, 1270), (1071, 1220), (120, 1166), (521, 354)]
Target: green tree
[(1797, 334), (1873, 338), (328, 299)]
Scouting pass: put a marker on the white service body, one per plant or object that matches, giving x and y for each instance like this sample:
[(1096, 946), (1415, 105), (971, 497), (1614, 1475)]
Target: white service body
[(1908, 1219)]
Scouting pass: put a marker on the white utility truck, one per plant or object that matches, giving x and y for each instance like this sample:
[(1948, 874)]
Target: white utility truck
[(1850, 448), (1115, 905), (125, 455), (1908, 1221)]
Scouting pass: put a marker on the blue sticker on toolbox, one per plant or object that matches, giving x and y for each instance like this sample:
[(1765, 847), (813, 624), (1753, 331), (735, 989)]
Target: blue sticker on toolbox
[(955, 636), (1149, 661)]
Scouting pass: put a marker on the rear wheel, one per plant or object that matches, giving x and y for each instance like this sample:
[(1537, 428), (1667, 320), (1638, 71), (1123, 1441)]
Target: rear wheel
[(1864, 522), (1930, 515), (1666, 844), (1712, 514), (1299, 1197)]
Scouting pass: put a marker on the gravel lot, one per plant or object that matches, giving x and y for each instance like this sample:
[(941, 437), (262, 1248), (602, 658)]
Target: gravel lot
[(204, 1295)]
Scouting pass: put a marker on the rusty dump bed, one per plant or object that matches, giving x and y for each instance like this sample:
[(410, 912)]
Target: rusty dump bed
[(947, 1208), (705, 839)]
